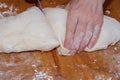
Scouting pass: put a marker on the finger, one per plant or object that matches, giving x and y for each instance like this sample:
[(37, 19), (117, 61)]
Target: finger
[(87, 37), (97, 28), (70, 29), (79, 34), (95, 36)]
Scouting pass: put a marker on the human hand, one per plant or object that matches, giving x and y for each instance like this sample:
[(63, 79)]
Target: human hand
[(85, 19)]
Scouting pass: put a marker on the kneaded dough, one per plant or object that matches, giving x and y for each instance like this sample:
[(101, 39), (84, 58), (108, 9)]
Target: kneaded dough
[(31, 30)]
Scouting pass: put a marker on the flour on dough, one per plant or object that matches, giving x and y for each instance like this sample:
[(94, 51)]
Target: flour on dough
[(31, 30)]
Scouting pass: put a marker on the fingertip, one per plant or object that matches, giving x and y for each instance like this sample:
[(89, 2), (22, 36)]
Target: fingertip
[(67, 46), (68, 42), (93, 41), (87, 38), (95, 36)]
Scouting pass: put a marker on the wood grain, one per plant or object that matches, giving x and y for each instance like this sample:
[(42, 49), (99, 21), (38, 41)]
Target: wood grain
[(98, 65)]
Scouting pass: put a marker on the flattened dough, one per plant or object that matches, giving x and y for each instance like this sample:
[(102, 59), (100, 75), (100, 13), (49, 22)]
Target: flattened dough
[(31, 30)]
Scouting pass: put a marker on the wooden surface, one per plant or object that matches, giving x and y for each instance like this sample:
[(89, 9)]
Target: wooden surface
[(99, 65)]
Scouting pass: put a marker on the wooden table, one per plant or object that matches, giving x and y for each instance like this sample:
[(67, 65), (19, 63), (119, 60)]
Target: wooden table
[(98, 65)]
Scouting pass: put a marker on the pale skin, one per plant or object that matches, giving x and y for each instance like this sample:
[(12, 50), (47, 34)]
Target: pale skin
[(85, 19)]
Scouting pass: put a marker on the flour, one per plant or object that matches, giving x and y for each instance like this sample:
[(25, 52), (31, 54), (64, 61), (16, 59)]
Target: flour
[(4, 75), (112, 60), (41, 75), (102, 77), (3, 5), (9, 10), (115, 48), (24, 60), (14, 66), (108, 12)]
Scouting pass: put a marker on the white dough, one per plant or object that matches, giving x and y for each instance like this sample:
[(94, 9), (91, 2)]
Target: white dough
[(57, 17), (26, 31), (31, 30)]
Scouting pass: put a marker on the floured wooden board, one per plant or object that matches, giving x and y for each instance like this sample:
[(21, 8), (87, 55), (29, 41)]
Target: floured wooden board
[(37, 65)]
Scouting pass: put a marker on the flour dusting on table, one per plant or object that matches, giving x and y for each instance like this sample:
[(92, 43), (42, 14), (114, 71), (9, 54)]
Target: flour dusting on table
[(8, 10), (42, 76)]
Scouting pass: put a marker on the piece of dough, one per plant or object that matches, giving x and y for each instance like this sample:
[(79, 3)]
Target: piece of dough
[(26, 31), (31, 30)]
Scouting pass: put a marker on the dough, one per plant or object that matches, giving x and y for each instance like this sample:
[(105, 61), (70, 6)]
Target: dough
[(57, 17), (26, 31), (31, 30)]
